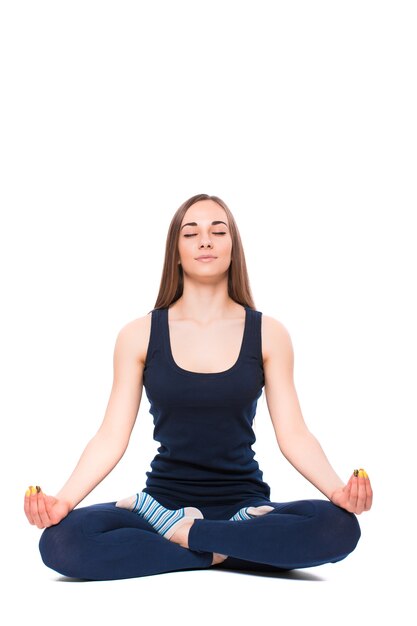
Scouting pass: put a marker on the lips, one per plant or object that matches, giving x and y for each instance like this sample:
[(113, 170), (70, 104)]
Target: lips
[(205, 256)]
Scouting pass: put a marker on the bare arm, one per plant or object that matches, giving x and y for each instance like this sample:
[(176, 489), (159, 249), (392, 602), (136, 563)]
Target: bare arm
[(299, 446), (108, 445)]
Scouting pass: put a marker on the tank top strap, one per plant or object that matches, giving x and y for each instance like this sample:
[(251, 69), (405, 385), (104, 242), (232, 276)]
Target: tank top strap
[(157, 336), (253, 339)]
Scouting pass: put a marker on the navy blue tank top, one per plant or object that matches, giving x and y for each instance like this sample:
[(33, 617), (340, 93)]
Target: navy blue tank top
[(203, 422)]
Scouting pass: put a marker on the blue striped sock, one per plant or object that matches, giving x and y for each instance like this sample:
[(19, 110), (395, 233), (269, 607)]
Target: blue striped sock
[(160, 518), (256, 511), (242, 514), (164, 521)]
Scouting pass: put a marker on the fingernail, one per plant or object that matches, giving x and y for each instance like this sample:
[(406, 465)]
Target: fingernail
[(33, 491), (355, 472), (27, 492), (361, 473), (38, 489)]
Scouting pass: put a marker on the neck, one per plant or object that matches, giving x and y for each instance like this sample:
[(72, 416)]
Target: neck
[(205, 304)]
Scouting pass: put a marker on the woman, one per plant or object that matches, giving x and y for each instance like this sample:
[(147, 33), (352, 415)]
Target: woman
[(203, 354)]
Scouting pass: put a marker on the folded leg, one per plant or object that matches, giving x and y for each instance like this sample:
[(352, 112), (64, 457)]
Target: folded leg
[(297, 534), (104, 542)]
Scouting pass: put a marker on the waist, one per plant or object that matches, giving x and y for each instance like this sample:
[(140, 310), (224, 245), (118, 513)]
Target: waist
[(224, 491)]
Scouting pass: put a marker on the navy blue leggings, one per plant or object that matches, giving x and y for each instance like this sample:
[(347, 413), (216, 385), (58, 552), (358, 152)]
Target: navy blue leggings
[(104, 542)]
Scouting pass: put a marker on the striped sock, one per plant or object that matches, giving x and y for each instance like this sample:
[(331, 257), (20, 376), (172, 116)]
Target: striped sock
[(164, 521), (248, 512)]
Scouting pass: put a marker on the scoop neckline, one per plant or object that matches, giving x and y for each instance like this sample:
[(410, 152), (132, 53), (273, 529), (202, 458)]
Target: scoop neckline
[(235, 365)]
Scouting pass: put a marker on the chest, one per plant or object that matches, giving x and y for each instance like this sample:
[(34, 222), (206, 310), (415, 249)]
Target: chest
[(210, 349)]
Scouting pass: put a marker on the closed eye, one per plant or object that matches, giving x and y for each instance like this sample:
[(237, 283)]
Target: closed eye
[(194, 234)]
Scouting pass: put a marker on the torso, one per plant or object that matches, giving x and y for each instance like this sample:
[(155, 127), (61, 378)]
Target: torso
[(202, 396)]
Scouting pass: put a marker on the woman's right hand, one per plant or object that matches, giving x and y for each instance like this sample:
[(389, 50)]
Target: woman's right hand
[(42, 510)]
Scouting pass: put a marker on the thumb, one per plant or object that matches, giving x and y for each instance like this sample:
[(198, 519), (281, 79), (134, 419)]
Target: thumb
[(49, 502)]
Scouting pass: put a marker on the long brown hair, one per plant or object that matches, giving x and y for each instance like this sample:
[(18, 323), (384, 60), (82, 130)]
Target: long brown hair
[(172, 280)]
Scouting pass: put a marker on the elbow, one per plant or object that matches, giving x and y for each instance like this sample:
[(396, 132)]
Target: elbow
[(292, 439), (113, 443), (284, 446)]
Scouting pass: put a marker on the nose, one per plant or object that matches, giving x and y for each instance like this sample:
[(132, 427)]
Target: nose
[(205, 242)]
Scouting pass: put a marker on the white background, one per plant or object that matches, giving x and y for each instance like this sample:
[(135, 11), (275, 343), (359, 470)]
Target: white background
[(302, 117)]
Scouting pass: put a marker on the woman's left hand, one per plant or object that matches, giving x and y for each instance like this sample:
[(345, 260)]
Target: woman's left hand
[(356, 496)]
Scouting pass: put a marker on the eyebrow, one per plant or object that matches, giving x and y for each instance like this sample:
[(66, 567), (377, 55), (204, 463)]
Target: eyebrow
[(195, 224)]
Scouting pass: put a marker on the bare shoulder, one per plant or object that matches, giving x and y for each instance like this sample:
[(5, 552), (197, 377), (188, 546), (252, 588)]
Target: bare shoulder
[(276, 339), (134, 336)]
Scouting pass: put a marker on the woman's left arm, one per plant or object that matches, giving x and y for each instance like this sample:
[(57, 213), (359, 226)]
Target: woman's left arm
[(299, 446)]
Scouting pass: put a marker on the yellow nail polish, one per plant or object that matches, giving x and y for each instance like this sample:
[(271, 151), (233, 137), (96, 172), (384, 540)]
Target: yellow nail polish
[(33, 491), (361, 473), (27, 492)]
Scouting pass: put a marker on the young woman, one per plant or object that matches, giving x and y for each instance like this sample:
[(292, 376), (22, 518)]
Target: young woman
[(203, 354)]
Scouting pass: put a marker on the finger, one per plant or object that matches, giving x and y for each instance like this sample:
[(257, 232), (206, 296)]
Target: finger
[(43, 513), (33, 503), (365, 494), (353, 492), (361, 495), (49, 503), (353, 477), (27, 506), (352, 502), (369, 493)]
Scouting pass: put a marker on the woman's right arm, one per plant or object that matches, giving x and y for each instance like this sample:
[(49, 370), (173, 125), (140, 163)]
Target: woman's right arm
[(108, 445)]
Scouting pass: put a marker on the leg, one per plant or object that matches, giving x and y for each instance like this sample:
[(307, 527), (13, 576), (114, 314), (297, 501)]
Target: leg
[(103, 542), (297, 534)]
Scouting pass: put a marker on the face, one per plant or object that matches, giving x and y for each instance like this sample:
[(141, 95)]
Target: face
[(205, 231)]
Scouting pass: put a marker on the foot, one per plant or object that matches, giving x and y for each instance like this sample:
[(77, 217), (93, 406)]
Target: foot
[(181, 532), (180, 536), (248, 512), (127, 503), (218, 558), (167, 522), (255, 511)]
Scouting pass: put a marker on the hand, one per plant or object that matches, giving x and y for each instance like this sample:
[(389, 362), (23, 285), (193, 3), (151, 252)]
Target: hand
[(356, 496), (42, 510)]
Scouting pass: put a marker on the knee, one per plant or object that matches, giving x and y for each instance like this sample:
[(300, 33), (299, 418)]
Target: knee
[(59, 547), (352, 532), (341, 526), (50, 548)]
